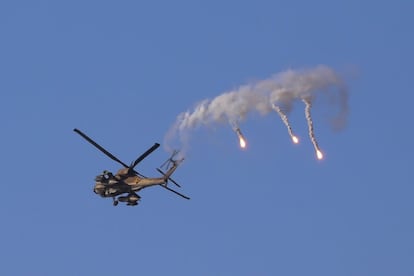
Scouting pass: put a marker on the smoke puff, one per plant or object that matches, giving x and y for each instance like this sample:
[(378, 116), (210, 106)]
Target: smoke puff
[(282, 89)]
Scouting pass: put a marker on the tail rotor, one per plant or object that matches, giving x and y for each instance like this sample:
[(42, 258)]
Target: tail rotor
[(169, 166)]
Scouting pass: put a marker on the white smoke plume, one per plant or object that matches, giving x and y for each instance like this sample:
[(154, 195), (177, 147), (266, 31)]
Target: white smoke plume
[(282, 89)]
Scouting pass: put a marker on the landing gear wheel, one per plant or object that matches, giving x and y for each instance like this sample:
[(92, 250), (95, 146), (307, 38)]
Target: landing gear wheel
[(116, 202)]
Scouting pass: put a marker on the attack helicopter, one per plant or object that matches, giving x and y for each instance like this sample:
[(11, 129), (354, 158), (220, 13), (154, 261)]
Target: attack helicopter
[(124, 185)]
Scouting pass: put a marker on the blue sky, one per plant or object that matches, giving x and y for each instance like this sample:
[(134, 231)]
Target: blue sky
[(122, 72)]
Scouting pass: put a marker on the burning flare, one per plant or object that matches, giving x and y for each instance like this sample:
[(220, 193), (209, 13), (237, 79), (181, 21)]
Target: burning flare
[(308, 106), (285, 120), (319, 154), (242, 140)]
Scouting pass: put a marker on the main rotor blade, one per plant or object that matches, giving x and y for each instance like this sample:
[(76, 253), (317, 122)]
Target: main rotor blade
[(110, 155), (145, 154), (171, 190)]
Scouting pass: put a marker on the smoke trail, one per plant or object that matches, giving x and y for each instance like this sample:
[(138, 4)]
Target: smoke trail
[(280, 90), (285, 120), (308, 106)]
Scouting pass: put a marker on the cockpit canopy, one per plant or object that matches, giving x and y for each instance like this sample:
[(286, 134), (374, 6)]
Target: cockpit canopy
[(104, 177)]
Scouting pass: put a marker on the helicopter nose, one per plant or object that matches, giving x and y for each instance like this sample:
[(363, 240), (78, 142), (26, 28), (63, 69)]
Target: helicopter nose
[(99, 189)]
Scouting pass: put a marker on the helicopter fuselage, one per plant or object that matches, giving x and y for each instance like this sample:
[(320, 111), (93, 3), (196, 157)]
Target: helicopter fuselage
[(108, 185)]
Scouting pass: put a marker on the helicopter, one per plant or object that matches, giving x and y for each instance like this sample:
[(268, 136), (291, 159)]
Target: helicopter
[(124, 185)]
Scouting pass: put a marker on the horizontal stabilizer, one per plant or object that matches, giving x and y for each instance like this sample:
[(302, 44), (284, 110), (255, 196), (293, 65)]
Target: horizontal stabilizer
[(169, 178)]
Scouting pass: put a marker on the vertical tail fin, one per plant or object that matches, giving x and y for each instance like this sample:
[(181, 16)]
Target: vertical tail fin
[(167, 174)]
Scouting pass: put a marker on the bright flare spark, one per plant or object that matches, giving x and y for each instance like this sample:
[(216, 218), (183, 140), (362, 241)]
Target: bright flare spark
[(295, 139), (319, 154), (242, 142)]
